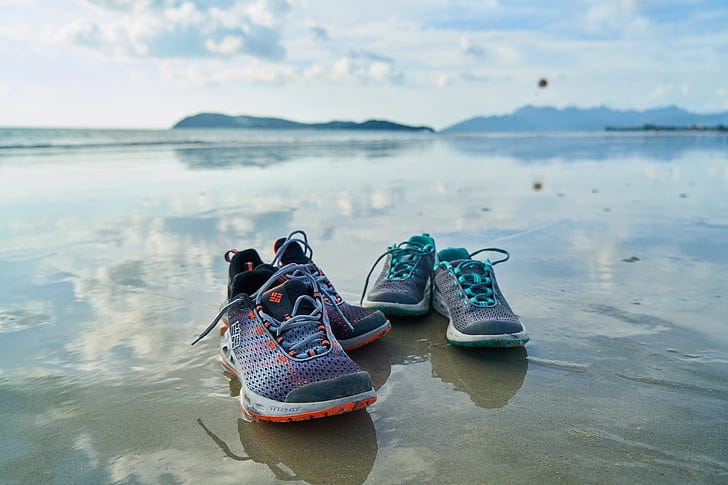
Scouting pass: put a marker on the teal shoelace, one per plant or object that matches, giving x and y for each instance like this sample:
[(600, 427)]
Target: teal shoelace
[(473, 276), (405, 257)]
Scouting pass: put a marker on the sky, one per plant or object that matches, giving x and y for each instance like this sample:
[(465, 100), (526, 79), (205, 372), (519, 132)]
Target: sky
[(148, 63)]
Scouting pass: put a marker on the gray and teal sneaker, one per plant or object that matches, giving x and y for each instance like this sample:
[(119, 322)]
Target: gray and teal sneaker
[(467, 293), (404, 287)]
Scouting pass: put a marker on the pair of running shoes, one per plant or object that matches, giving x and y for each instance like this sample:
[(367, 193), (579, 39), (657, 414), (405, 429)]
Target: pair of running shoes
[(285, 329)]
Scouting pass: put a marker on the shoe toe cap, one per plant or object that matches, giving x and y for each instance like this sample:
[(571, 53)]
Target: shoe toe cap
[(370, 322), (392, 297), (339, 387), (493, 327)]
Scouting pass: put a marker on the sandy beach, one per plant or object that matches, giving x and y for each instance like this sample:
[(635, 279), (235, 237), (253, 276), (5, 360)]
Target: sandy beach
[(111, 262)]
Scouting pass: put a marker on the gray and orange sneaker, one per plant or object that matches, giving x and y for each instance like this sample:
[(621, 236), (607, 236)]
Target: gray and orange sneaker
[(353, 326), (404, 285), (467, 293), (277, 340)]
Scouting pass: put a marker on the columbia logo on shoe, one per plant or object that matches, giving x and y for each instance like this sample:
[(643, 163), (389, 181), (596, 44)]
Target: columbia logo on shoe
[(275, 297)]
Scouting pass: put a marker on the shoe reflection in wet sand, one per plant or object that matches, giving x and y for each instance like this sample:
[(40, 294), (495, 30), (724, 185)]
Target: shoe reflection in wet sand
[(490, 377), (337, 449)]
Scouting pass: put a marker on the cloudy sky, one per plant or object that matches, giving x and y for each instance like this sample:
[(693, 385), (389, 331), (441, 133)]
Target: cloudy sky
[(147, 63)]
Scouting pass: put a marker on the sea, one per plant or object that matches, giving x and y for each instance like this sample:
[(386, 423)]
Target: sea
[(111, 262)]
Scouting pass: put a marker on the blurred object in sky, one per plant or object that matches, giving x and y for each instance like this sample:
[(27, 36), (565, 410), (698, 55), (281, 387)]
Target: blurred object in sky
[(543, 83)]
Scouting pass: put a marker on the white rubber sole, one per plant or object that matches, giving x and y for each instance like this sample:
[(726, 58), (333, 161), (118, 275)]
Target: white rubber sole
[(455, 337), (403, 309)]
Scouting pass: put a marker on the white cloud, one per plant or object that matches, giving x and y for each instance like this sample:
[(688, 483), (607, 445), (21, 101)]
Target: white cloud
[(448, 79), (268, 12), (228, 45), (616, 16), (191, 75), (185, 15), (660, 91), (444, 80), (319, 34), (159, 29), (388, 56), (384, 71), (468, 48), (361, 67)]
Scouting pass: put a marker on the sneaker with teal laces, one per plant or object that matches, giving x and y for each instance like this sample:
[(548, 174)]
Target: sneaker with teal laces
[(405, 283), (467, 293)]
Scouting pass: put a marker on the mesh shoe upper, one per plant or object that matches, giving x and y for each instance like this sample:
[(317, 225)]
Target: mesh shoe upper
[(407, 269), (272, 373), (281, 344), (347, 321), (467, 316)]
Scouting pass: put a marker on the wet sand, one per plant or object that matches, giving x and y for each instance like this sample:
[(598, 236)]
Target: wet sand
[(111, 262)]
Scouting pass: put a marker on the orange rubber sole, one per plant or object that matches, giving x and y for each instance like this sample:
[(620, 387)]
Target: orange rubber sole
[(370, 339), (333, 411), (322, 413)]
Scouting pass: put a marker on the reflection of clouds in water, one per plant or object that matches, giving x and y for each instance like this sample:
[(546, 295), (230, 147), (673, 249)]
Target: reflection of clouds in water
[(133, 277), (178, 256), (37, 307), (136, 303), (408, 464), (17, 320), (530, 148), (178, 466), (267, 155)]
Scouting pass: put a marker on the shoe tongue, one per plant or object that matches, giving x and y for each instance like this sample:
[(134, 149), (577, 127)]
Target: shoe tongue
[(269, 267), (249, 282), (422, 240), (293, 253), (279, 301), (453, 254)]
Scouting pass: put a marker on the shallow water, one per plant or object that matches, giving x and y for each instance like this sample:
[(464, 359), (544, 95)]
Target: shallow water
[(111, 262)]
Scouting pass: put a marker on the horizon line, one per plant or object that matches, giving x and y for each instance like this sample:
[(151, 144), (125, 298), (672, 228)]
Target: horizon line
[(530, 105)]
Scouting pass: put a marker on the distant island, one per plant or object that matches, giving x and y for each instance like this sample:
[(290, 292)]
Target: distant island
[(535, 118), (218, 120), (668, 128), (527, 118)]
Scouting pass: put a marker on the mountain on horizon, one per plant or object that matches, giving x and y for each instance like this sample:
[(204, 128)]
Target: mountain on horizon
[(546, 118), (218, 120)]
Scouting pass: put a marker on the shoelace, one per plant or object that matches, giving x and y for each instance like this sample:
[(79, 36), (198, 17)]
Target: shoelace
[(405, 256), (323, 281), (280, 329), (477, 284)]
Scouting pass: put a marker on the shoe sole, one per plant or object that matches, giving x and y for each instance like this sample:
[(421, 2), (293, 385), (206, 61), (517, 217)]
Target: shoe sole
[(366, 338), (455, 337), (404, 309), (266, 409)]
